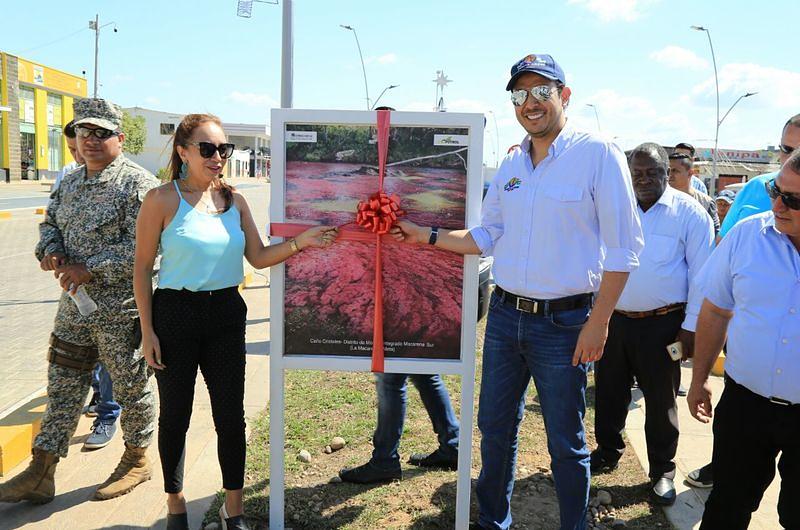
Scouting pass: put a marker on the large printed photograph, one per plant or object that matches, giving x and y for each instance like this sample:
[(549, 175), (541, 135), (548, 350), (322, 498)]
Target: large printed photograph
[(329, 294)]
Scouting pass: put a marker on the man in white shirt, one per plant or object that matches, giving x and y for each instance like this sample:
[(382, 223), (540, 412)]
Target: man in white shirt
[(77, 159), (688, 149), (651, 314), (560, 220), (751, 285)]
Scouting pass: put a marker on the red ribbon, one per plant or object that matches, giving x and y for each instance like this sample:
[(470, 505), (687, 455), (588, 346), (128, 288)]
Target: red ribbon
[(377, 214)]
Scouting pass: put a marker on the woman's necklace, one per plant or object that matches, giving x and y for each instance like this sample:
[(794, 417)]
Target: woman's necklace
[(210, 208)]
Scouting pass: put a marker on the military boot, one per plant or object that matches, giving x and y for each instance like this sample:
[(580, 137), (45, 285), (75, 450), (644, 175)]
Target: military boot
[(36, 483), (132, 470)]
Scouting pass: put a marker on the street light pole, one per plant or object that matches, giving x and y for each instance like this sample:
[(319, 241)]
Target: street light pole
[(95, 25), (596, 117), (496, 140), (747, 95), (287, 60), (361, 56), (382, 93), (714, 157)]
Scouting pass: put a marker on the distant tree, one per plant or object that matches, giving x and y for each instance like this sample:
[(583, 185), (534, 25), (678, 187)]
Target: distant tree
[(135, 131)]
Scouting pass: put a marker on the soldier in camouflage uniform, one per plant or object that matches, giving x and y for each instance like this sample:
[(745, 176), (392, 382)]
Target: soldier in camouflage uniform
[(87, 238)]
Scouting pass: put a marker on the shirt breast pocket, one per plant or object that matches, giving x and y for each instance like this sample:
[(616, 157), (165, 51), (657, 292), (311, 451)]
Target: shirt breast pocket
[(660, 248), (564, 194), (102, 227)]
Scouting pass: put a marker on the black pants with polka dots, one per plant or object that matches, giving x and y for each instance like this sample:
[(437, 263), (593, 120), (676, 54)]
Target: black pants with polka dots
[(202, 329)]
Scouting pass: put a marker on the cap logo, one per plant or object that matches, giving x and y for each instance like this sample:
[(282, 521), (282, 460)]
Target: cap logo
[(529, 59)]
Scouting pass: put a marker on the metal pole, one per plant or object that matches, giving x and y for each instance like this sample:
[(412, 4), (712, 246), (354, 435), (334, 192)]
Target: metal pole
[(382, 93), (596, 117), (496, 140), (713, 188), (96, 49), (360, 56), (287, 70)]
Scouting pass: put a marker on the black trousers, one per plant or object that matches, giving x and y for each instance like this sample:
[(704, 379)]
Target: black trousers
[(206, 330), (638, 347), (749, 433)]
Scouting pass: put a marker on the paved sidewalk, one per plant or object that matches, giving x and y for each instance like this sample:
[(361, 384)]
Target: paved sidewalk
[(694, 450), (78, 474)]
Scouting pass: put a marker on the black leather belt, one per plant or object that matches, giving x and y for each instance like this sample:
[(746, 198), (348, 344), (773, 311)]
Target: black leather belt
[(774, 399), (544, 307)]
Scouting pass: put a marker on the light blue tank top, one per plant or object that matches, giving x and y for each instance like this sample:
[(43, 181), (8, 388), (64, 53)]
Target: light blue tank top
[(201, 251)]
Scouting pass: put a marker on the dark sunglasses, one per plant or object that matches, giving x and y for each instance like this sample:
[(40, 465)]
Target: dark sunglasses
[(785, 149), (101, 134), (791, 201), (207, 149), (540, 93)]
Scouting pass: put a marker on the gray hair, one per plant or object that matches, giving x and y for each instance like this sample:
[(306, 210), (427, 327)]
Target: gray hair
[(653, 150)]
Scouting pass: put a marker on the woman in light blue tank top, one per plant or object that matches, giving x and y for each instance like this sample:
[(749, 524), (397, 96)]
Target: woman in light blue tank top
[(196, 317)]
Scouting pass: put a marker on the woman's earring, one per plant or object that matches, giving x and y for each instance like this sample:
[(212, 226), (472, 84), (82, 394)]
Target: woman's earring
[(184, 171)]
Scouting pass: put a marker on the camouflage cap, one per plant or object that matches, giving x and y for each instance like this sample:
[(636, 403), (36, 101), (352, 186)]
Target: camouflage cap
[(96, 111)]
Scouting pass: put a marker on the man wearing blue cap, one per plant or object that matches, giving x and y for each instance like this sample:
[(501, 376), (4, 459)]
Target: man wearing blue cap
[(560, 220)]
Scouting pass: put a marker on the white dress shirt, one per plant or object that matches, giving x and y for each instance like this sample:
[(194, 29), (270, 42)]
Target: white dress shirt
[(554, 228), (678, 239), (755, 272)]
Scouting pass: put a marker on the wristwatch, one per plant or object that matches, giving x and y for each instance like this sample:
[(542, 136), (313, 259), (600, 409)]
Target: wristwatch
[(434, 235)]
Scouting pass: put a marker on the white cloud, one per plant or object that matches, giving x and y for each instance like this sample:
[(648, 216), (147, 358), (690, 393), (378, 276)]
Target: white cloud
[(677, 57), (389, 58), (611, 10), (778, 89), (252, 99), (152, 100)]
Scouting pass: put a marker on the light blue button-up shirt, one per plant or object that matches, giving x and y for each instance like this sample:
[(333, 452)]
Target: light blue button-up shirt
[(678, 239), (698, 184), (755, 272), (554, 228)]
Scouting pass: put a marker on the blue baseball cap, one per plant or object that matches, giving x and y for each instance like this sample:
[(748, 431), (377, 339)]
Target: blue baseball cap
[(543, 65)]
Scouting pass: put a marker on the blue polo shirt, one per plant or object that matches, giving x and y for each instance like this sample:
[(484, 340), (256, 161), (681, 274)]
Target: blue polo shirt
[(752, 199)]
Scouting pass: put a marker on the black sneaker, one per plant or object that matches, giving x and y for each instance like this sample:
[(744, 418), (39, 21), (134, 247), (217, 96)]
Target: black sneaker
[(599, 464), (369, 474), (436, 460), (701, 478)]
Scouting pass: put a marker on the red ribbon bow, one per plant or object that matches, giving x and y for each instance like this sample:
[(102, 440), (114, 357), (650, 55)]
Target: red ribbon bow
[(377, 214)]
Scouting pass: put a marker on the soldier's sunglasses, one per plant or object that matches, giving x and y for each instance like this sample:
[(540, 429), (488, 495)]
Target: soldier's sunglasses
[(101, 134), (207, 149), (790, 200), (539, 93)]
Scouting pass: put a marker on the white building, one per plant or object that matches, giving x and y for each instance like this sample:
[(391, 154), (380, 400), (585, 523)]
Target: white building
[(249, 160)]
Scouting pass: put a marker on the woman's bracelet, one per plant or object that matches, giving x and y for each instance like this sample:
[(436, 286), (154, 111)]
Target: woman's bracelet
[(293, 245)]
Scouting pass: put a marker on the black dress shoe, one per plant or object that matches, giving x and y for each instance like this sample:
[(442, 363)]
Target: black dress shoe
[(436, 460), (370, 474), (177, 521), (600, 464), (664, 491)]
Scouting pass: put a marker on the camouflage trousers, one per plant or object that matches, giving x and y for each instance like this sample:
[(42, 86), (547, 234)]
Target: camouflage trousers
[(111, 331)]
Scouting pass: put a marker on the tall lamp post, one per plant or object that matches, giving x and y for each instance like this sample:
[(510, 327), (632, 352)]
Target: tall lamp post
[(496, 140), (381, 95), (712, 188), (746, 95), (95, 25), (361, 56), (596, 117), (244, 9)]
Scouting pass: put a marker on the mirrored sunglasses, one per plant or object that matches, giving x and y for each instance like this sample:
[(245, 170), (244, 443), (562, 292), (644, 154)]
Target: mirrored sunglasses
[(540, 93), (102, 134), (207, 149)]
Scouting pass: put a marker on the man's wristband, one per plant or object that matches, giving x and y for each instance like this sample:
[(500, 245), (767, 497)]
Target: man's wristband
[(434, 235)]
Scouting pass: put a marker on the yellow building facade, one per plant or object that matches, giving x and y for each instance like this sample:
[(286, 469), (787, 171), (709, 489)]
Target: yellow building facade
[(35, 104)]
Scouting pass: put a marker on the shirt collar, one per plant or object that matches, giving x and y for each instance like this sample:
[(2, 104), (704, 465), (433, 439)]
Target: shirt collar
[(769, 222), (106, 173), (559, 144)]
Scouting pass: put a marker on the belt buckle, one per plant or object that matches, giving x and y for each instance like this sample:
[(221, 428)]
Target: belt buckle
[(533, 305), (779, 401)]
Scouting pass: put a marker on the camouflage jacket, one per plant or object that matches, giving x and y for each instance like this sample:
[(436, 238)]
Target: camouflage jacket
[(93, 220)]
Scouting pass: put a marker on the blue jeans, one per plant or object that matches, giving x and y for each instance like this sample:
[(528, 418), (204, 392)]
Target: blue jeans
[(392, 400), (107, 409), (520, 345)]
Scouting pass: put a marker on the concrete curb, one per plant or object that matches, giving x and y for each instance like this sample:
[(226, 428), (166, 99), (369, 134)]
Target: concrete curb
[(18, 428)]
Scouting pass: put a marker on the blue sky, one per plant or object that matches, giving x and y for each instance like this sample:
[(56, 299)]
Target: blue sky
[(647, 72)]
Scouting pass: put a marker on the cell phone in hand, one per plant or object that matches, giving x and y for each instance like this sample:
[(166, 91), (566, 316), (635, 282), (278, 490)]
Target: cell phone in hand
[(675, 351)]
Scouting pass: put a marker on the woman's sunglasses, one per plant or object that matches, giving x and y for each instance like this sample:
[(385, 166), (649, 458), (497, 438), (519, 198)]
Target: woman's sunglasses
[(539, 93), (207, 149), (790, 200), (101, 134)]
